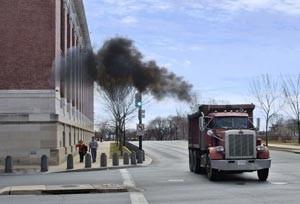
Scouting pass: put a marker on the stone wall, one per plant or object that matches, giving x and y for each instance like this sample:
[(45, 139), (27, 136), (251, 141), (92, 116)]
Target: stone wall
[(43, 110)]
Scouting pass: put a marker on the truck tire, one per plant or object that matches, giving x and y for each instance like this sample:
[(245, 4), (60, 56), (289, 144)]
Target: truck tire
[(212, 174), (196, 162), (263, 174), (198, 168), (201, 170), (191, 160)]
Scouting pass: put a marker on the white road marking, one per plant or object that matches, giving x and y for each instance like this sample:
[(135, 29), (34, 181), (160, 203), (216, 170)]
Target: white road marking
[(175, 180), (135, 197), (279, 183), (128, 180)]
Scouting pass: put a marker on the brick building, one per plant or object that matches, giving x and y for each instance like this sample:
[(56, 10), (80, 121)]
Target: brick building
[(46, 93)]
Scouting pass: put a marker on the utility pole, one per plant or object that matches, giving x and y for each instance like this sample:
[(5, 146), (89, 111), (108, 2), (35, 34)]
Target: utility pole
[(140, 123), (141, 115)]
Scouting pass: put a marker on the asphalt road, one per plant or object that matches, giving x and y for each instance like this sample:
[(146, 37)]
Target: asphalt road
[(168, 180)]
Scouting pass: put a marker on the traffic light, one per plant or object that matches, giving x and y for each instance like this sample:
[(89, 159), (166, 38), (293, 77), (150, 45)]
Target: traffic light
[(138, 100)]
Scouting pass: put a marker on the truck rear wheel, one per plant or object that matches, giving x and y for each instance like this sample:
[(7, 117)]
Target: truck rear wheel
[(263, 174), (196, 162), (212, 174)]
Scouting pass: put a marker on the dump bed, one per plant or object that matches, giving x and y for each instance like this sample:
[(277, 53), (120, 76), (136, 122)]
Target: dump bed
[(206, 109)]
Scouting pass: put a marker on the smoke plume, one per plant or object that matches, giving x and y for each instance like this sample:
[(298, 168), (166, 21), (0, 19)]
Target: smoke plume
[(120, 61)]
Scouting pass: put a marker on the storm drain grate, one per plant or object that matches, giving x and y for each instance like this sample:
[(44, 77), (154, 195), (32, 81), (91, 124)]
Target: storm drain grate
[(63, 189)]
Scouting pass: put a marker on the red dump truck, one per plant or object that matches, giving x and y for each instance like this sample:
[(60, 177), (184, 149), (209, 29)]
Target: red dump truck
[(222, 138)]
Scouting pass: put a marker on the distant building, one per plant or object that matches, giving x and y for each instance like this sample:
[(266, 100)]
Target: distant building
[(46, 94)]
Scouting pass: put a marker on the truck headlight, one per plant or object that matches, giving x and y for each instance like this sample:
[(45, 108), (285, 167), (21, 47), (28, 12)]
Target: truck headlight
[(219, 148), (260, 148)]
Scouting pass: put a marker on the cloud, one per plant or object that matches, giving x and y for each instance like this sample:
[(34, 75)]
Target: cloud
[(129, 20), (194, 7), (290, 7), (196, 47), (187, 63)]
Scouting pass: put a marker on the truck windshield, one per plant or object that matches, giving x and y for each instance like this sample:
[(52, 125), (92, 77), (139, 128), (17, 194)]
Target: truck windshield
[(231, 122)]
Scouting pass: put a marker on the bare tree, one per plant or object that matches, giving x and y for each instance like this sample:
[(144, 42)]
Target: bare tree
[(178, 128), (104, 129), (183, 124), (119, 101), (168, 128), (159, 128), (291, 92), (266, 92), (195, 102)]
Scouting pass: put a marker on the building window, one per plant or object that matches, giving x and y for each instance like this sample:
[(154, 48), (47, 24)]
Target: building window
[(62, 47), (68, 32), (64, 139), (74, 137), (62, 28), (70, 138), (73, 37)]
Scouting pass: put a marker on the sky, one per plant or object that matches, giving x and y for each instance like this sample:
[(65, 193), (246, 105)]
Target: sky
[(218, 46)]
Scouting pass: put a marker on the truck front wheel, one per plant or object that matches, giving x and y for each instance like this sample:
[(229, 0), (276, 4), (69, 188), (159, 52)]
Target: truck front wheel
[(263, 174), (212, 174)]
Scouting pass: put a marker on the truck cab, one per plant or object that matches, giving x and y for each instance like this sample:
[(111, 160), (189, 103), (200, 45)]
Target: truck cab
[(222, 138)]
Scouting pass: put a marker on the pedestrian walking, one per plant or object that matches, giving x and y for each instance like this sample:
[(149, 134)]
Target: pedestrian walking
[(82, 149), (93, 149)]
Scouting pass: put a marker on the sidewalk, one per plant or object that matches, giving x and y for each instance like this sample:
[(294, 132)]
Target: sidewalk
[(285, 147), (104, 147)]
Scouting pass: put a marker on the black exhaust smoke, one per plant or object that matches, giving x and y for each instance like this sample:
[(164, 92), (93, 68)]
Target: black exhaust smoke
[(119, 61)]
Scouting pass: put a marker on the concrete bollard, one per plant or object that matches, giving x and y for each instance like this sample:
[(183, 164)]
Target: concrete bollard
[(70, 163), (88, 160), (139, 156), (133, 158), (44, 163), (8, 165), (125, 158), (103, 160), (115, 159)]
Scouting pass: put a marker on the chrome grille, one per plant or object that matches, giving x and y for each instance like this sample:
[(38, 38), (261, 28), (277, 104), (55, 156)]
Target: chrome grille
[(241, 146)]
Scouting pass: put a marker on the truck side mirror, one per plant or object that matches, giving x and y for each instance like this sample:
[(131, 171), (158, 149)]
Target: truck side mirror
[(201, 123), (257, 124)]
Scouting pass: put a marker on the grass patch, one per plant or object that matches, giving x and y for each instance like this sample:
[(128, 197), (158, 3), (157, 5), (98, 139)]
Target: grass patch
[(115, 149)]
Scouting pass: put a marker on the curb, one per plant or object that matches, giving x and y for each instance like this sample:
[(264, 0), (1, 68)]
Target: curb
[(97, 169), (63, 189), (296, 151), (147, 163)]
